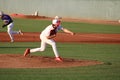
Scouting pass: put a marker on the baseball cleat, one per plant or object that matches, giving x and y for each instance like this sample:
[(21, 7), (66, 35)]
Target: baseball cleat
[(20, 32), (27, 51), (58, 59)]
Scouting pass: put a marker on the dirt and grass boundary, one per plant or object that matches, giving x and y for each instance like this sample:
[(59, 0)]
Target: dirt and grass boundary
[(18, 61)]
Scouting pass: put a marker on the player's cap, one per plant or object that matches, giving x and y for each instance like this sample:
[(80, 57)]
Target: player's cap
[(1, 13), (55, 21)]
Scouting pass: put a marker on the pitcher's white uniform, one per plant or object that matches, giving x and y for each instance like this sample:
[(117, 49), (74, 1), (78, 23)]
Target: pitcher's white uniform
[(45, 40)]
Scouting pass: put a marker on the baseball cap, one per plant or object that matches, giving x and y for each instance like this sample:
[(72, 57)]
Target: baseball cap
[(55, 21)]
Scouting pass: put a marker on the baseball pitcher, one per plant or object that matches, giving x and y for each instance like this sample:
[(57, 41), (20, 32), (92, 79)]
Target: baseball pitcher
[(47, 36)]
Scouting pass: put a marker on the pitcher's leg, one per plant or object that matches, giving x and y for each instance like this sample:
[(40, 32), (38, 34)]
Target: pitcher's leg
[(53, 44), (42, 48), (55, 49)]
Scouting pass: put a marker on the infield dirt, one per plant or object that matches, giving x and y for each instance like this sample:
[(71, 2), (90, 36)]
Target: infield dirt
[(19, 61)]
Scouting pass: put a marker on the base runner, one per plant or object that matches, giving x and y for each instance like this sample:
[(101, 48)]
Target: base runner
[(8, 22)]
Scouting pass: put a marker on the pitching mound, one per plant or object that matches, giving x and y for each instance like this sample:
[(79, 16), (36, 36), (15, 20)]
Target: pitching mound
[(18, 61)]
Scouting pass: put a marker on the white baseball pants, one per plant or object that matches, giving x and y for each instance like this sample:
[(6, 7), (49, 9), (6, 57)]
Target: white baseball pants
[(11, 32), (45, 41)]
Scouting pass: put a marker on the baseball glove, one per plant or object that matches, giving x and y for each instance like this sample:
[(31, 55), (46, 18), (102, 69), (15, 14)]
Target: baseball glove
[(53, 32)]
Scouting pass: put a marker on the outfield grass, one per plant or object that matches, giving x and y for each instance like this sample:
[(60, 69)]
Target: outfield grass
[(107, 53), (30, 25)]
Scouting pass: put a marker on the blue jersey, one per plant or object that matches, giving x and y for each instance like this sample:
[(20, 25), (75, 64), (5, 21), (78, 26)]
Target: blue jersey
[(7, 18)]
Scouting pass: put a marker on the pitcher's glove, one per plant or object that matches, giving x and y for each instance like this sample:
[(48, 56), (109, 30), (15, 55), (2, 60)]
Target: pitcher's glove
[(53, 32)]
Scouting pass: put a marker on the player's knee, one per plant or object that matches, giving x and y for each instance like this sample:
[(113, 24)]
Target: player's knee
[(42, 49), (9, 32), (53, 44)]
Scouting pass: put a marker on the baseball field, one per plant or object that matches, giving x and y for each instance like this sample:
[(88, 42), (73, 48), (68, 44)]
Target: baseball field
[(92, 54)]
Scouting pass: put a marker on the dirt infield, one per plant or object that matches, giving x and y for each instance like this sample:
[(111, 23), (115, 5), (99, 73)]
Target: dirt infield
[(19, 61), (62, 37)]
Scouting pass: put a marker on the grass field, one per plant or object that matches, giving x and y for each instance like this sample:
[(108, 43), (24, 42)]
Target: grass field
[(107, 53), (30, 25)]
